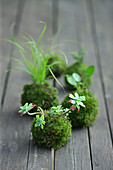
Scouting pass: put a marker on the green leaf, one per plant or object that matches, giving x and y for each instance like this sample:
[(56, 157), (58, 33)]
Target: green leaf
[(42, 33), (77, 100), (56, 78), (90, 70), (40, 121), (73, 102), (79, 57), (82, 98), (26, 108), (71, 80), (76, 96), (71, 96), (76, 77)]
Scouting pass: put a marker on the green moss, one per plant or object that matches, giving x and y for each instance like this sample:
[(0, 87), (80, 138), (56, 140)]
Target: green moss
[(56, 132), (87, 115), (80, 69), (42, 95), (57, 68)]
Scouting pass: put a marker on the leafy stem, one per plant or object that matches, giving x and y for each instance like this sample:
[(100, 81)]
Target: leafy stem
[(40, 121), (75, 79)]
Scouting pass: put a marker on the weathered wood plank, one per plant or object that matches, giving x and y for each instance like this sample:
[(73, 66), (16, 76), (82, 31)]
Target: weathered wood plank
[(104, 35), (7, 17), (34, 12), (16, 9), (0, 58), (76, 154), (14, 131), (101, 145), (39, 158)]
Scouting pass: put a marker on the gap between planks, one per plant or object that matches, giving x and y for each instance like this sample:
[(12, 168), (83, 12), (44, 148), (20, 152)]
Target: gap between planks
[(19, 13), (98, 58)]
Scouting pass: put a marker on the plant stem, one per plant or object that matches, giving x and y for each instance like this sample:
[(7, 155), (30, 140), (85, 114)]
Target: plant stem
[(54, 83), (52, 158), (37, 113), (66, 112)]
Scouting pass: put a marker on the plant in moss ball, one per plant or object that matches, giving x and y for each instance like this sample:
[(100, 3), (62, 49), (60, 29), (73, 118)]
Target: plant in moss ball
[(77, 67), (58, 58), (34, 61), (51, 128), (86, 115), (75, 79), (76, 101), (58, 65)]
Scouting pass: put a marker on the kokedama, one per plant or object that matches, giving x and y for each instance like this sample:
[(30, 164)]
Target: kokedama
[(35, 62), (42, 95), (85, 116), (84, 104), (58, 65), (50, 129), (78, 67)]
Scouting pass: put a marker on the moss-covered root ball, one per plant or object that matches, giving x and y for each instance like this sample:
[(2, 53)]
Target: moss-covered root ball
[(78, 68), (42, 95), (58, 67), (87, 115), (55, 134)]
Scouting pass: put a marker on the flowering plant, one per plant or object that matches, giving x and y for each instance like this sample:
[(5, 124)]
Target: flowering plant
[(39, 120), (26, 108), (76, 101), (58, 110)]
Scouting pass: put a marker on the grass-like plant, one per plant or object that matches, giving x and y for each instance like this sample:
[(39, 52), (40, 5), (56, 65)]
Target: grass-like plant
[(33, 59)]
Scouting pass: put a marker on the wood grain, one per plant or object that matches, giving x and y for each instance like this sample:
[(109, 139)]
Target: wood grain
[(14, 131), (101, 145), (87, 22), (38, 159), (7, 17), (76, 154), (104, 34)]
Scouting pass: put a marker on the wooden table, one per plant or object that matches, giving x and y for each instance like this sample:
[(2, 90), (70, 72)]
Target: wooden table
[(89, 22)]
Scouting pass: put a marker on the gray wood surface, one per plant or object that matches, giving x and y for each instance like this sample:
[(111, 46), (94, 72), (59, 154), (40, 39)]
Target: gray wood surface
[(38, 159), (75, 155), (1, 63), (104, 39), (14, 131), (101, 145), (7, 17), (88, 22)]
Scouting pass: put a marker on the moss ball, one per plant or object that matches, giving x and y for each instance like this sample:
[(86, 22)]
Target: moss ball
[(78, 68), (88, 114), (55, 134), (59, 67), (42, 95)]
